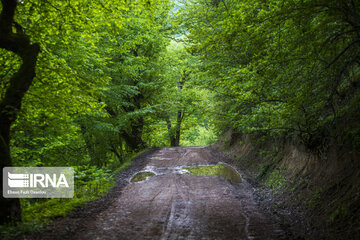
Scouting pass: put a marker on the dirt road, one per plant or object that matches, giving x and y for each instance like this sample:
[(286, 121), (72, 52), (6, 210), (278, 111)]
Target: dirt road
[(175, 205)]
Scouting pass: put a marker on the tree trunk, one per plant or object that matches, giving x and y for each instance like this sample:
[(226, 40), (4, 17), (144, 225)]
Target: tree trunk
[(171, 134), (19, 84), (180, 113), (133, 138), (10, 209), (178, 128)]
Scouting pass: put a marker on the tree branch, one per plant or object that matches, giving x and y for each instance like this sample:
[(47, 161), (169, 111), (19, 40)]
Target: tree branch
[(341, 53)]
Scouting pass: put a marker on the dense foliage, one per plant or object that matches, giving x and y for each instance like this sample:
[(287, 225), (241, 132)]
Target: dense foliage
[(281, 67), (102, 85)]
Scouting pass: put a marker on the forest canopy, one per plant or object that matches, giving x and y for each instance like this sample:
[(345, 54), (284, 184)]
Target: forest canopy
[(281, 67)]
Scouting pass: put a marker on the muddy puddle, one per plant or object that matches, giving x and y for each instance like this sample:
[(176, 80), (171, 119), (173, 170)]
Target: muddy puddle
[(160, 158), (220, 169), (141, 176)]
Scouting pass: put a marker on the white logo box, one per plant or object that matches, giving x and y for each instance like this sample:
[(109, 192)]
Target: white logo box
[(38, 182)]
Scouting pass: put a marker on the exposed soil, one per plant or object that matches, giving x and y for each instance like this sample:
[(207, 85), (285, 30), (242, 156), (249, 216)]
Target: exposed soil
[(171, 205), (318, 194)]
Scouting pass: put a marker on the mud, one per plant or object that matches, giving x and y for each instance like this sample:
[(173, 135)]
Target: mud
[(174, 205), (171, 205)]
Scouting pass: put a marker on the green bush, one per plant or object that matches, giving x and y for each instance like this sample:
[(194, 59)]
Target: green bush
[(276, 180)]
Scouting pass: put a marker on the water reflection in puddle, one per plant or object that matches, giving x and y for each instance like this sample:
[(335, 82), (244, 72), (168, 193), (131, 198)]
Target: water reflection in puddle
[(160, 158), (222, 170), (166, 170), (141, 176)]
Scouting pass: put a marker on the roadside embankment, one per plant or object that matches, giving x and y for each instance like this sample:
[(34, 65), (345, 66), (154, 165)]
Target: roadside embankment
[(320, 190)]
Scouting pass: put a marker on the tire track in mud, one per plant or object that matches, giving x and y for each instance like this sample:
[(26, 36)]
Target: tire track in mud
[(172, 205)]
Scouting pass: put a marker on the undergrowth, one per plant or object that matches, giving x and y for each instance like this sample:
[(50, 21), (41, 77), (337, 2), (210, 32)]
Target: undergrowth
[(276, 180), (90, 183)]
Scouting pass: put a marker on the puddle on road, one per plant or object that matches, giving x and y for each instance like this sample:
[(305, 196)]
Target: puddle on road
[(160, 158), (222, 170), (165, 170), (141, 176)]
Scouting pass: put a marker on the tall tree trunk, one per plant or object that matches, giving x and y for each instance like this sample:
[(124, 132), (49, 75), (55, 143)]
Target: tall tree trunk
[(171, 134), (18, 43), (178, 128), (180, 114), (133, 138)]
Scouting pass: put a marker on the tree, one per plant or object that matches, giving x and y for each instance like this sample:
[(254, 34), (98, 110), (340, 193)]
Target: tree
[(16, 41), (134, 70), (181, 98), (280, 67), (69, 74)]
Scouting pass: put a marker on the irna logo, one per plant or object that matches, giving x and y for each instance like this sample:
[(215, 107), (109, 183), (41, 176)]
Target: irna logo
[(38, 182), (16, 180)]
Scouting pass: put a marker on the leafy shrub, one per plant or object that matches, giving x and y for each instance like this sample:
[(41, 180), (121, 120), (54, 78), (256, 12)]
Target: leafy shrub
[(276, 180)]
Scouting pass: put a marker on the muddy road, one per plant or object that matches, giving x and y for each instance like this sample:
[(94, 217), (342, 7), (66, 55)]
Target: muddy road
[(173, 204)]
